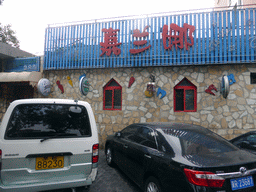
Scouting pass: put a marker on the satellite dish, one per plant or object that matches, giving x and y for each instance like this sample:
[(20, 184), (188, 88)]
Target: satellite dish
[(224, 89)]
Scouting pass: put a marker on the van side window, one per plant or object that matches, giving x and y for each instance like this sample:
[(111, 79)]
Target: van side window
[(32, 121)]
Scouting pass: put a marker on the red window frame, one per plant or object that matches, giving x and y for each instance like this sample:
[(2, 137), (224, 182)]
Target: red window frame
[(108, 87), (185, 88)]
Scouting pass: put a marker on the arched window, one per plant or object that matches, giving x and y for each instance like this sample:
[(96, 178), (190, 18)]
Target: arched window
[(112, 96), (185, 96)]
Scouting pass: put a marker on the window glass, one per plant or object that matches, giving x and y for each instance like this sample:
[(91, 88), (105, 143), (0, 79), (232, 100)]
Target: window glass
[(148, 137), (108, 99), (189, 102), (179, 99), (144, 136), (197, 143), (113, 83), (117, 99), (185, 97), (47, 120), (112, 94), (129, 132), (250, 138), (185, 82), (253, 78)]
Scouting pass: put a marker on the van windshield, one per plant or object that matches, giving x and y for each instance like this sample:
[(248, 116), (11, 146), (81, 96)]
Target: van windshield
[(32, 121)]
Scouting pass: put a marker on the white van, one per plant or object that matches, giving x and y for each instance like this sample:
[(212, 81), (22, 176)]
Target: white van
[(48, 144)]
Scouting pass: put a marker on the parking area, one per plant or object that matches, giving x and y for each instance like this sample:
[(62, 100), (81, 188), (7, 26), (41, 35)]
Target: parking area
[(109, 180)]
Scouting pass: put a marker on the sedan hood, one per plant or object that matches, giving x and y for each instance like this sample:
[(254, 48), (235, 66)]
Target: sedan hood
[(236, 157)]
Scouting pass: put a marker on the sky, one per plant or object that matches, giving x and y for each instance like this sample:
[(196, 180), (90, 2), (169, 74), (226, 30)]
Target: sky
[(30, 18)]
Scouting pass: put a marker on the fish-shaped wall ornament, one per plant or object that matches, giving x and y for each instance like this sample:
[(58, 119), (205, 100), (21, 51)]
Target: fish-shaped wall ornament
[(60, 86)]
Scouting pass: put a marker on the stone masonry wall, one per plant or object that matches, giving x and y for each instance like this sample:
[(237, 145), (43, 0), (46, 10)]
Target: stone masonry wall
[(228, 117)]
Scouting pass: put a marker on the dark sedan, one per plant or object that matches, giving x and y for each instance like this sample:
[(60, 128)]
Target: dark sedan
[(246, 141), (180, 158)]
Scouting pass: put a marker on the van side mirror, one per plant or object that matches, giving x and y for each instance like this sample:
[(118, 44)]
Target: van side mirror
[(118, 134)]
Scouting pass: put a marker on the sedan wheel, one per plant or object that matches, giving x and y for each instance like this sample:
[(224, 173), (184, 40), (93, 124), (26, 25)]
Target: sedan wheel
[(109, 156), (152, 185)]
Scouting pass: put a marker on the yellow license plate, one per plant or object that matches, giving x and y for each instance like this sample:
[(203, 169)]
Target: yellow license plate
[(49, 162)]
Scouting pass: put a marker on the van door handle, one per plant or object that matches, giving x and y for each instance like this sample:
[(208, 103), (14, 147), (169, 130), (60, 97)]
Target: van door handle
[(148, 156)]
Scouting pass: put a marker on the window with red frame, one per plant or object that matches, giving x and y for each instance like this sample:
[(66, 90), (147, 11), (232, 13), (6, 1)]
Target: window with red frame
[(112, 96), (185, 96)]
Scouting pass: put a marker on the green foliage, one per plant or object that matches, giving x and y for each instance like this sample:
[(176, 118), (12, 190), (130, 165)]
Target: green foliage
[(7, 35)]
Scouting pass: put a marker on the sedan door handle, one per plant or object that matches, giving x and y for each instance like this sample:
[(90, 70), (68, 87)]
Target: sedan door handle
[(148, 156)]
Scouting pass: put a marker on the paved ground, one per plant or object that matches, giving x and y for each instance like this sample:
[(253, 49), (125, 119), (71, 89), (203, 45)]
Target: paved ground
[(112, 179), (109, 180)]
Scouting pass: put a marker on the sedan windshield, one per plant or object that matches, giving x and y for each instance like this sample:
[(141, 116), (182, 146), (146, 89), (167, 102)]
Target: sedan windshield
[(48, 121)]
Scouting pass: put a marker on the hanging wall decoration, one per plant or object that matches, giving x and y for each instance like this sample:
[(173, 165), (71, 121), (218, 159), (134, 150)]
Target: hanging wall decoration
[(60, 86), (224, 86), (210, 88), (44, 87), (151, 88), (162, 92), (70, 81), (132, 79), (231, 79), (84, 85)]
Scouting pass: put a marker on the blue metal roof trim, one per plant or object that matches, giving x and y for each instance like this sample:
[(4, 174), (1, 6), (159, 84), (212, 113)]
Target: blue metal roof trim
[(223, 37)]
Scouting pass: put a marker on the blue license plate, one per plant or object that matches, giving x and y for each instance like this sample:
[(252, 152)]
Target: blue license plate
[(241, 183)]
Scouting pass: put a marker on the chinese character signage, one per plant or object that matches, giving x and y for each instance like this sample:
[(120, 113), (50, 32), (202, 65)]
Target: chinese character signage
[(110, 44), (184, 39), (23, 64), (177, 36)]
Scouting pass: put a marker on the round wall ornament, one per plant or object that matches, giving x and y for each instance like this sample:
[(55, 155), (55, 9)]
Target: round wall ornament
[(84, 85), (44, 87)]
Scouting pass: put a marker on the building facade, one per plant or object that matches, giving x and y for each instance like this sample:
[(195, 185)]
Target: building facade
[(197, 68)]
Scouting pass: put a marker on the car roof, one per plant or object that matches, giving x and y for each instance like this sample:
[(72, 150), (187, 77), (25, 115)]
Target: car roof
[(171, 125)]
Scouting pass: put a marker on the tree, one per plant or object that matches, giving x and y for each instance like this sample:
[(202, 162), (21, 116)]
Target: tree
[(7, 35)]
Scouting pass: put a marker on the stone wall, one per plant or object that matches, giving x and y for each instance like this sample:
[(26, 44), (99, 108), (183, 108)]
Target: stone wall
[(227, 117)]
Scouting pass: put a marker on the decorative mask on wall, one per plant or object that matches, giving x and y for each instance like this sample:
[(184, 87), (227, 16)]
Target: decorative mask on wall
[(151, 88)]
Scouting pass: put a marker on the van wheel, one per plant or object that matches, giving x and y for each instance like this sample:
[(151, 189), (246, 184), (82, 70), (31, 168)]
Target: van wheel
[(152, 185), (109, 156)]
